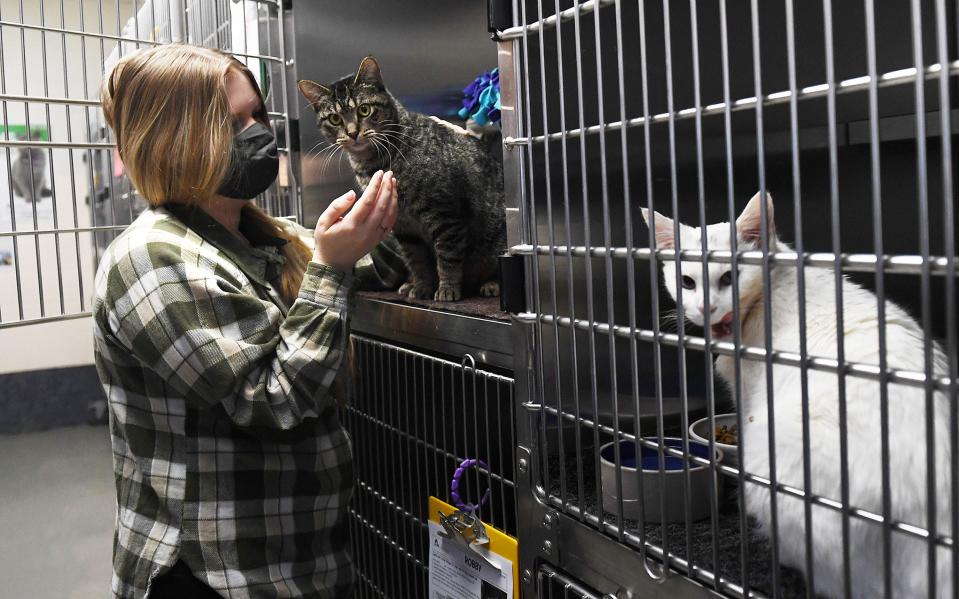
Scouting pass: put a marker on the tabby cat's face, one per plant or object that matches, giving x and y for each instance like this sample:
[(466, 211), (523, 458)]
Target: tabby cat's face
[(355, 112)]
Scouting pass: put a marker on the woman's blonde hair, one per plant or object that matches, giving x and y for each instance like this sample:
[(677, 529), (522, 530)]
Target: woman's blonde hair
[(171, 118)]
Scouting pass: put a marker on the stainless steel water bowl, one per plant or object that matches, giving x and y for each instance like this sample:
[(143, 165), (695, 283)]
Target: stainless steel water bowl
[(663, 498)]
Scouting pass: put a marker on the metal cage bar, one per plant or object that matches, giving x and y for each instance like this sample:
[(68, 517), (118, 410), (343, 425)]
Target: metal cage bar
[(413, 418), (76, 203), (855, 84), (579, 118), (553, 584)]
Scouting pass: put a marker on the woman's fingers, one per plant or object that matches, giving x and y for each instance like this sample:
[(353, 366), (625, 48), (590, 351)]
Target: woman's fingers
[(382, 202), (390, 220), (361, 211), (335, 211)]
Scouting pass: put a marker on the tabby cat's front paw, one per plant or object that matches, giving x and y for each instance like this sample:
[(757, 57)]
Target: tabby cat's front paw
[(490, 289), (414, 290), (447, 293)]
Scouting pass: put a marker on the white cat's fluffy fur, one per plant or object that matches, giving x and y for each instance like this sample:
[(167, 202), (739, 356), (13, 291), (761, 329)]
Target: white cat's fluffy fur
[(907, 414)]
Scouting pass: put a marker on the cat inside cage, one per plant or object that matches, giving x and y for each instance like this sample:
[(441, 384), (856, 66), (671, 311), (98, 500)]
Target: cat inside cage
[(818, 336), (743, 318)]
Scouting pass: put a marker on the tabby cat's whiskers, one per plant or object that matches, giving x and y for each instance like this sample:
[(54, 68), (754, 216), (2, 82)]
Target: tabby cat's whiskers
[(379, 146), (386, 138)]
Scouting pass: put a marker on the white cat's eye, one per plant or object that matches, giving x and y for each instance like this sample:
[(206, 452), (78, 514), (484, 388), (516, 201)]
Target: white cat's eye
[(335, 120), (365, 110), (726, 279), (688, 283)]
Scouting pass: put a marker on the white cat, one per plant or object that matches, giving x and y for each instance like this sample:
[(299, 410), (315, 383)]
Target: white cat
[(906, 404)]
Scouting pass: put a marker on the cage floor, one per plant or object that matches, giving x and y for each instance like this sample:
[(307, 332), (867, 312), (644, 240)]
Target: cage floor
[(482, 307), (791, 583)]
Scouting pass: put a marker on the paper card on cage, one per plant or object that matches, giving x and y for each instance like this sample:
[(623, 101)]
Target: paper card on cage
[(483, 571)]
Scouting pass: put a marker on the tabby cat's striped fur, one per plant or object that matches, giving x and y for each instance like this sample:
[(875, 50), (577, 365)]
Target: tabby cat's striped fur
[(452, 221)]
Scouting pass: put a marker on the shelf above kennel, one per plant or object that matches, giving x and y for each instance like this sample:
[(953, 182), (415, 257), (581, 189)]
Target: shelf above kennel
[(474, 326)]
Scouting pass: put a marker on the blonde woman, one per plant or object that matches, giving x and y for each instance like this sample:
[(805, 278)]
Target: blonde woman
[(219, 333)]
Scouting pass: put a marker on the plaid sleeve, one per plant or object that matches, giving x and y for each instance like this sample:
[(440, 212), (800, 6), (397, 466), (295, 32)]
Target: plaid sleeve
[(215, 344)]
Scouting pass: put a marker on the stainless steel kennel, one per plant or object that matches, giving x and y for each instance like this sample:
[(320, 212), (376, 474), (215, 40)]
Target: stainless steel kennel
[(846, 112)]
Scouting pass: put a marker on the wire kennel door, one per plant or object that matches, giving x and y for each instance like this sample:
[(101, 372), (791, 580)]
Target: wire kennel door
[(53, 55), (413, 419), (689, 108)]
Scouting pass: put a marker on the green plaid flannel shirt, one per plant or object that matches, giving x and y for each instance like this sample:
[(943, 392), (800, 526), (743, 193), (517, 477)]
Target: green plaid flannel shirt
[(228, 451)]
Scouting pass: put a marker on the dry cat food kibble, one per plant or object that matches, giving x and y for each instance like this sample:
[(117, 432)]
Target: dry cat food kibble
[(726, 434)]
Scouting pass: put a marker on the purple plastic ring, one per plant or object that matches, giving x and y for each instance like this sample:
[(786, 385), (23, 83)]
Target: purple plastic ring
[(455, 486)]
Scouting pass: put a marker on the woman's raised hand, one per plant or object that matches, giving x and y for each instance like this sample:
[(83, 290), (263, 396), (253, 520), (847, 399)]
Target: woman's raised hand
[(350, 228)]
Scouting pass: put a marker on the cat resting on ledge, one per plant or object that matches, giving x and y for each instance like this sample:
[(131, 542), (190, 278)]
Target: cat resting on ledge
[(452, 223)]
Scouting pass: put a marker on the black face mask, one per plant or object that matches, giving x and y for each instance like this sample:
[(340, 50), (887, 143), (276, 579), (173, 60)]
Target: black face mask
[(254, 165)]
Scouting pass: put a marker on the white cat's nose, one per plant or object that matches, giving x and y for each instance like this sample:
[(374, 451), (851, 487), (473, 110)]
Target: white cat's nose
[(712, 309)]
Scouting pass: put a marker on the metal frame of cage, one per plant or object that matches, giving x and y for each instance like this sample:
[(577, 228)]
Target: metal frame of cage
[(553, 584), (413, 418), (111, 201), (591, 546)]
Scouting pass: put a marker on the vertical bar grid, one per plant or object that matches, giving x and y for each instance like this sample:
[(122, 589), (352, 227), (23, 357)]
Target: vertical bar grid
[(630, 266), (736, 305), (837, 283), (801, 304), (388, 514), (880, 293), (48, 280), (533, 290), (554, 297), (570, 276), (925, 300), (653, 283), (764, 245), (680, 308), (707, 314), (787, 126), (949, 249), (587, 239)]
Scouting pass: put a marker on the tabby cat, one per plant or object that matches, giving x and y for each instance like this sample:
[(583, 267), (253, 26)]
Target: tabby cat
[(452, 223)]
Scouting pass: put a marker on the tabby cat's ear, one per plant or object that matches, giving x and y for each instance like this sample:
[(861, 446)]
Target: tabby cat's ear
[(749, 224), (369, 72), (312, 91), (664, 230)]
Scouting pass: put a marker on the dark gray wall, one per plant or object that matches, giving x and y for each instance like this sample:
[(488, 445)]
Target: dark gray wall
[(44, 399)]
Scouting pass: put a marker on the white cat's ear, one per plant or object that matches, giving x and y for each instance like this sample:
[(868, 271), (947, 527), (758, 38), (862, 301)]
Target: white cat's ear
[(664, 230), (749, 224), (369, 72), (312, 91)]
